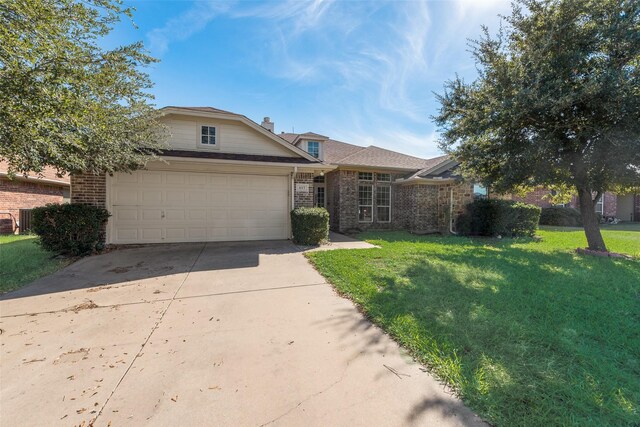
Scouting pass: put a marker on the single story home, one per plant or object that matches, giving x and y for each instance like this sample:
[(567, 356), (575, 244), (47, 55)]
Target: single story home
[(223, 177), (26, 192)]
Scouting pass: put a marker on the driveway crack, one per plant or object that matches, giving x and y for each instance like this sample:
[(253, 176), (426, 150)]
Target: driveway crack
[(155, 327), (308, 398)]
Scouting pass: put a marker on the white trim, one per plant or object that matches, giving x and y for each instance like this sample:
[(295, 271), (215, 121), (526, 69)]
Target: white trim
[(371, 185), (386, 184), (207, 147)]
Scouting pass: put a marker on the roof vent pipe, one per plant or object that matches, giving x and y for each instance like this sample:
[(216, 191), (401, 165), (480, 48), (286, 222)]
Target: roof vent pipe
[(268, 124)]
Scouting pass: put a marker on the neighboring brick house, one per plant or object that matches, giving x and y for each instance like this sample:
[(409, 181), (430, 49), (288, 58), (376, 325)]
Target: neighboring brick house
[(224, 177), (626, 207), (26, 192)]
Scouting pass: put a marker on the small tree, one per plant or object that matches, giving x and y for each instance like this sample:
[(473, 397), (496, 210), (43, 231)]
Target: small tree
[(65, 101), (556, 102)]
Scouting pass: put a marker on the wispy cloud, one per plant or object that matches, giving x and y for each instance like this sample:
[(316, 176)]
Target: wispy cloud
[(185, 25)]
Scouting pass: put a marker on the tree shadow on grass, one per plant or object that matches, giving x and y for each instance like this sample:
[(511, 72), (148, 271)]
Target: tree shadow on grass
[(527, 338)]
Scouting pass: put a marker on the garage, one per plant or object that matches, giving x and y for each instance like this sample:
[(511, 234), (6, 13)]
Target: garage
[(177, 206)]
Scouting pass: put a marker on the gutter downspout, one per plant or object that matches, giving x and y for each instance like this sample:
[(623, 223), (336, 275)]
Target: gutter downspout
[(451, 212)]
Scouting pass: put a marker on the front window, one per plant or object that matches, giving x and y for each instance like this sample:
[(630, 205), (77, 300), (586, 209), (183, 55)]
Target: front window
[(208, 135), (479, 192), (383, 177), (365, 176), (313, 148), (365, 203), (383, 203)]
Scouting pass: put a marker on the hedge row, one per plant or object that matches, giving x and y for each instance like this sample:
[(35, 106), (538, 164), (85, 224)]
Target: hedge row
[(310, 226), (69, 229), (489, 217)]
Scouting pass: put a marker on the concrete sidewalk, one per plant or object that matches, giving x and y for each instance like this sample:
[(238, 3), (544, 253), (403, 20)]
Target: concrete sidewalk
[(242, 334)]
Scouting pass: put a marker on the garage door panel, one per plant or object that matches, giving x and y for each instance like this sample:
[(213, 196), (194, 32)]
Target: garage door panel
[(175, 178), (176, 234), (174, 214), (174, 197), (171, 206), (154, 234), (151, 197), (151, 178), (197, 179)]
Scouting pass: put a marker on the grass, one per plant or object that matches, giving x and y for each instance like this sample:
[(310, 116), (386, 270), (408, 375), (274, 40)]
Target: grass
[(22, 261), (528, 332)]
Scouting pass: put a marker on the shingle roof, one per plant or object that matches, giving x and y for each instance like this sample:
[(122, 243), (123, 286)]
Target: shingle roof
[(342, 153)]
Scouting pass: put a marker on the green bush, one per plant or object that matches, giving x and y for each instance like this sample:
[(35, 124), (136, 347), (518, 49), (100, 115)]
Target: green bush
[(488, 217), (310, 226), (69, 229), (562, 216)]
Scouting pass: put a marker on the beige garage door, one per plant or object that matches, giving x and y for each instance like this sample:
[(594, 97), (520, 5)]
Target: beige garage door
[(163, 206)]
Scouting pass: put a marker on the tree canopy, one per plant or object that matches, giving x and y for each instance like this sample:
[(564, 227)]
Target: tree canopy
[(556, 102), (66, 101)]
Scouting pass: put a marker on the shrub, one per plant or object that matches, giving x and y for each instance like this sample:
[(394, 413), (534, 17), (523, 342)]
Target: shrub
[(559, 215), (488, 217), (310, 226), (69, 229)]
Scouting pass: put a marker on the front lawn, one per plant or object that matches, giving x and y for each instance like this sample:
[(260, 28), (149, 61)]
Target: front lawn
[(528, 332), (22, 261)]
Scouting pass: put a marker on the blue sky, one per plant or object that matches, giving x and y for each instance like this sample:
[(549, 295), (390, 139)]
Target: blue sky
[(360, 72)]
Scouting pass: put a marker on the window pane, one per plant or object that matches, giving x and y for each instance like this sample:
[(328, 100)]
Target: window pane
[(365, 176), (383, 213), (479, 192), (364, 214), (212, 139), (365, 195), (383, 177), (205, 130), (320, 197), (383, 196), (204, 139), (212, 130)]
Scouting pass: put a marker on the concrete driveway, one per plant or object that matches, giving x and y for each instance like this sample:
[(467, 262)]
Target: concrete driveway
[(239, 334)]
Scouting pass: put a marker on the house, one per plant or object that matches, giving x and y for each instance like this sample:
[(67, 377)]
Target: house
[(26, 192), (224, 177), (625, 207)]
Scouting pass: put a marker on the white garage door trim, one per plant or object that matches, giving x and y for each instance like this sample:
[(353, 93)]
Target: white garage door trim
[(171, 206)]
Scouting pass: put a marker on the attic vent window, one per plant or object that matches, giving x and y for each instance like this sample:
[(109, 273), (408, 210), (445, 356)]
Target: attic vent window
[(313, 148), (208, 135)]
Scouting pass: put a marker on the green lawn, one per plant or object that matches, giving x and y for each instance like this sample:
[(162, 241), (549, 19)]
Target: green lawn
[(22, 261), (528, 332)]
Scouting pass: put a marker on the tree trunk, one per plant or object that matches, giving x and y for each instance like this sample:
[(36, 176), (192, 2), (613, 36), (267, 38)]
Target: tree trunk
[(590, 221)]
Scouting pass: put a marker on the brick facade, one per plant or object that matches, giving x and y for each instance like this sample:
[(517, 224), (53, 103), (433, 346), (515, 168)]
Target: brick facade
[(419, 208), (462, 194), (89, 189), (21, 194), (303, 199)]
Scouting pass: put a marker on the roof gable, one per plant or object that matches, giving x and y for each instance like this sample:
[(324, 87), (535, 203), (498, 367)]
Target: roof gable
[(214, 113)]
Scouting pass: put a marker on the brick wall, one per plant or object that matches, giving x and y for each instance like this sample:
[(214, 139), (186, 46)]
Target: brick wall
[(19, 194), (332, 189), (303, 199), (462, 195), (610, 204), (89, 189)]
